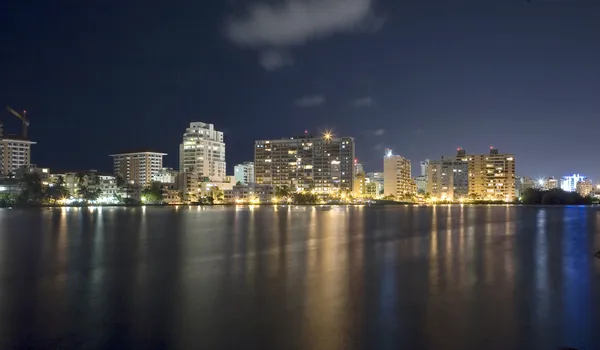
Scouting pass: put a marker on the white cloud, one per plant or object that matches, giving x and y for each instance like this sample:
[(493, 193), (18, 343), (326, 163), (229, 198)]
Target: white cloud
[(274, 59), (364, 102), (289, 23), (379, 132), (293, 22), (310, 101)]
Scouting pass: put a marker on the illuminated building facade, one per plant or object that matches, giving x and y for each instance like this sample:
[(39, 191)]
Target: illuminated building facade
[(397, 180), (15, 153), (492, 176), (244, 173), (448, 177), (137, 168), (584, 187), (201, 157), (321, 164), (569, 183)]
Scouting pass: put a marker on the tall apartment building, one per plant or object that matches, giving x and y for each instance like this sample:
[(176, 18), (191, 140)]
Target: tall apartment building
[(137, 168), (424, 167), (358, 168), (448, 177), (323, 164), (15, 152), (201, 157), (244, 173), (492, 176), (397, 180), (202, 151)]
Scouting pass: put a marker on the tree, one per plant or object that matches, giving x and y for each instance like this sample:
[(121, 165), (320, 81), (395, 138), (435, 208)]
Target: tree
[(32, 189), (153, 193), (56, 191)]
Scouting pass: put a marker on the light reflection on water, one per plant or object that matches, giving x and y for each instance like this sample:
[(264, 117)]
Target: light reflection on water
[(298, 277)]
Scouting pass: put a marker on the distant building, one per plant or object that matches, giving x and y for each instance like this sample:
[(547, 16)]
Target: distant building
[(323, 164), (448, 177), (551, 183), (421, 182), (166, 176), (137, 168), (15, 152), (397, 175), (492, 176), (584, 187), (244, 173), (360, 184), (424, 167), (378, 179), (569, 183), (358, 168)]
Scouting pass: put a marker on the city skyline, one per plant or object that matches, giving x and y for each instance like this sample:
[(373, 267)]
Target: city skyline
[(390, 74)]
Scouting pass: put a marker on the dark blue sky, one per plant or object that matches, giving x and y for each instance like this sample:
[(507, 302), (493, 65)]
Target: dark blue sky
[(422, 79)]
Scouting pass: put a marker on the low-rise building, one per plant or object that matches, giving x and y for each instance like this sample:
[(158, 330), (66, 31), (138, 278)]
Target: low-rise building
[(251, 194)]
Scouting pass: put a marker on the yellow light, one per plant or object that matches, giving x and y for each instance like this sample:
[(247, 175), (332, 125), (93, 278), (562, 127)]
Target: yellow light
[(274, 199), (289, 199), (327, 135)]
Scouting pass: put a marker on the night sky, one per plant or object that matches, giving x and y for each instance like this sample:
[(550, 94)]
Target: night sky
[(421, 77)]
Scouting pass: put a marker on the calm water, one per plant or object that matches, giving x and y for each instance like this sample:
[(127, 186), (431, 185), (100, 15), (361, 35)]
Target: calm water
[(445, 277)]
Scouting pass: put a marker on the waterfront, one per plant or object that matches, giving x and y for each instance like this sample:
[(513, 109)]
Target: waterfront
[(389, 277)]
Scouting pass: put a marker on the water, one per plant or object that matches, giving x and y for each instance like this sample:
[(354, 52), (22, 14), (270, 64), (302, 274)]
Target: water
[(445, 277)]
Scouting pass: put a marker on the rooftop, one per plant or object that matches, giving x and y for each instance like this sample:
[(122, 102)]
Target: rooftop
[(139, 151)]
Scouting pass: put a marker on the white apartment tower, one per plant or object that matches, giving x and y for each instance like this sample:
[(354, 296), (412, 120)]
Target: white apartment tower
[(396, 175), (201, 155), (244, 173)]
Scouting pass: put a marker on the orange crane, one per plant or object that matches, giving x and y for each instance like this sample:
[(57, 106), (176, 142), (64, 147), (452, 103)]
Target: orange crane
[(23, 119)]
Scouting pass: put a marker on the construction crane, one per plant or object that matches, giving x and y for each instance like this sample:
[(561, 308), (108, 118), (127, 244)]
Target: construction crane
[(23, 119)]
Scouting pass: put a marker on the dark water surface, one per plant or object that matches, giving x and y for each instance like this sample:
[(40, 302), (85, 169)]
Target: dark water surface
[(445, 277)]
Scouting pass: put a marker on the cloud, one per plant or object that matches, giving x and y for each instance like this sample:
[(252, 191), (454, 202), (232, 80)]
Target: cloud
[(290, 23), (363, 102), (376, 132), (310, 101), (275, 59), (378, 147)]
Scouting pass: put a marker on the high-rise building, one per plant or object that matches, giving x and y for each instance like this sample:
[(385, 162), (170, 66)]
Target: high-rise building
[(137, 168), (15, 152), (569, 183), (376, 178), (584, 187), (358, 168), (492, 176), (448, 177), (424, 167), (244, 173), (397, 175), (201, 158), (323, 164), (202, 151)]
